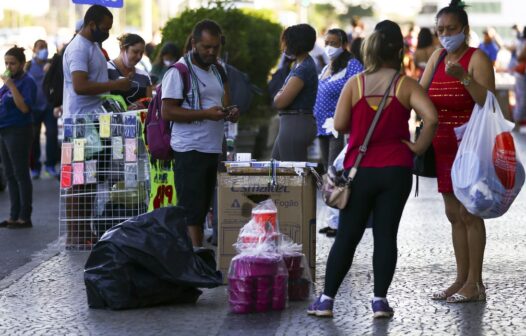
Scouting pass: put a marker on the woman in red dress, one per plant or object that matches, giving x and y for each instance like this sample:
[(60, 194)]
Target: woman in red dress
[(462, 80)]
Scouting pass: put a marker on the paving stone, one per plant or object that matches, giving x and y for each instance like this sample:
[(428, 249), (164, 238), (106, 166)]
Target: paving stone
[(51, 299)]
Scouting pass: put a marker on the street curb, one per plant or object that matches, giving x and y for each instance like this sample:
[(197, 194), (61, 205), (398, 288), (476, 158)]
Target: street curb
[(37, 259)]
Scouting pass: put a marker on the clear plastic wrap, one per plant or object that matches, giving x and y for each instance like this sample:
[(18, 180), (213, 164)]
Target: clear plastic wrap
[(265, 214), (262, 228), (300, 280), (257, 282)]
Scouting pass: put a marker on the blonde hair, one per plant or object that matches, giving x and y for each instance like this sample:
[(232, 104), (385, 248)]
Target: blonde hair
[(371, 52)]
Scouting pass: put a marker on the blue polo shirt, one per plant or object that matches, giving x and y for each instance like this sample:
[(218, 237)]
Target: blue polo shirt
[(10, 115)]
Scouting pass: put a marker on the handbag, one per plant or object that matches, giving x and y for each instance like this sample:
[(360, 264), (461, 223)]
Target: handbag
[(424, 164), (335, 187)]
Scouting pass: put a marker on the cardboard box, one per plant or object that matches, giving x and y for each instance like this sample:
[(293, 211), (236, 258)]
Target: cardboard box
[(294, 196)]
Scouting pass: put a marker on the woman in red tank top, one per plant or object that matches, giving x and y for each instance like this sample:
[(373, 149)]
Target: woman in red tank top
[(461, 79), (383, 181)]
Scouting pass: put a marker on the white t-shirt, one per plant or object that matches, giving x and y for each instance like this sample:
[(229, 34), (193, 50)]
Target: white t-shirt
[(203, 136), (82, 55)]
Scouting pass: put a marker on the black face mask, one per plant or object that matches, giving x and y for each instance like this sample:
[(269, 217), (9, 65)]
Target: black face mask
[(98, 35), (199, 60)]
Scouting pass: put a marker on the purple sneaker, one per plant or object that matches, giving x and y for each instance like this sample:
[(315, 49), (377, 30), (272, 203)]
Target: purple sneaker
[(381, 309), (321, 309)]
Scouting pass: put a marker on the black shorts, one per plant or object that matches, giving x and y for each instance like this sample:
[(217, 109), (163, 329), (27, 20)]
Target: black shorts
[(195, 180)]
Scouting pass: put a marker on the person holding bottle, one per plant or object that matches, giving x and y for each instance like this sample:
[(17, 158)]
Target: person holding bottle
[(17, 97)]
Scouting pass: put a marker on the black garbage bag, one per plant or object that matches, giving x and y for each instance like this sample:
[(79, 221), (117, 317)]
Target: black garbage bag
[(148, 260)]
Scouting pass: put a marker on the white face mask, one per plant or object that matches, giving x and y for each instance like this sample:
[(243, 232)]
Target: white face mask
[(125, 60), (452, 43), (333, 52), (167, 63)]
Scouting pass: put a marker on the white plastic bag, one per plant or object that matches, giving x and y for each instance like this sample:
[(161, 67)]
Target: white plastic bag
[(487, 174), (338, 162)]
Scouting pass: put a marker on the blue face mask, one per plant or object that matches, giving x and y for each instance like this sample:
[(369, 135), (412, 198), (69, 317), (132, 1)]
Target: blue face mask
[(452, 43), (42, 54)]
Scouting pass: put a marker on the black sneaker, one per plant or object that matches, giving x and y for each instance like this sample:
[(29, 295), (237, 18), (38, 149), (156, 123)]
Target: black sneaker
[(324, 230), (18, 225), (331, 233)]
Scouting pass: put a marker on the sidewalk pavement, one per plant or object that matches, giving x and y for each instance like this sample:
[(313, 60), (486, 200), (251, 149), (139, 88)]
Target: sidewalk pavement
[(50, 299)]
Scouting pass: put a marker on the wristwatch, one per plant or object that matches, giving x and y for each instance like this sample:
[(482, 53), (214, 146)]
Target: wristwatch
[(466, 80)]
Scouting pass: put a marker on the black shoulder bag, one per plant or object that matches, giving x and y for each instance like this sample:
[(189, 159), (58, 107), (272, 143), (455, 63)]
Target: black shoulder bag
[(424, 165)]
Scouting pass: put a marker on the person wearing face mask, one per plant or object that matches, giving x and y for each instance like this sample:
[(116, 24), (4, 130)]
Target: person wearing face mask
[(85, 79), (132, 49), (42, 113), (342, 66), (198, 117), (85, 68), (168, 55), (17, 98), (462, 79), (295, 100)]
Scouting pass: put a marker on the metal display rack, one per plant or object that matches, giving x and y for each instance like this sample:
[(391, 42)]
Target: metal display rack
[(104, 175)]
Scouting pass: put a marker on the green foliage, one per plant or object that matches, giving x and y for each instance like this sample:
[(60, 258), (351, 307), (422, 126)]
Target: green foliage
[(252, 37)]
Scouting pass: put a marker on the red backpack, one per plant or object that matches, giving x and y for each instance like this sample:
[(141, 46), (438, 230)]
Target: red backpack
[(157, 131)]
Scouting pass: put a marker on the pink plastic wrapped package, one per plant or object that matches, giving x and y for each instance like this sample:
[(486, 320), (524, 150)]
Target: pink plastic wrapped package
[(254, 236), (257, 283), (299, 277)]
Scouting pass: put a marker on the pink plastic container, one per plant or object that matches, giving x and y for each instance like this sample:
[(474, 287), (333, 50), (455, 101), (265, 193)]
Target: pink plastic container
[(263, 216), (293, 261), (255, 266), (264, 282), (242, 284), (295, 274), (279, 303), (240, 307), (280, 283), (241, 296)]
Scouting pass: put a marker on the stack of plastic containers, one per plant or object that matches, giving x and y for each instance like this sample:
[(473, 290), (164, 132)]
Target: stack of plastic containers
[(257, 283), (258, 277), (269, 268), (300, 281)]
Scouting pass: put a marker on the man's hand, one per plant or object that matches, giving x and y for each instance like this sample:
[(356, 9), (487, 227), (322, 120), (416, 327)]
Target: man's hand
[(57, 112), (122, 84), (215, 113), (232, 115)]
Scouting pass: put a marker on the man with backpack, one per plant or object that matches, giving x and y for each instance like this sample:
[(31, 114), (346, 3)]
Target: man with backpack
[(198, 116)]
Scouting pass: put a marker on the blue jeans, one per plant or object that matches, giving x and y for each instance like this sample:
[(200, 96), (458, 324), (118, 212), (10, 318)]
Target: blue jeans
[(15, 144), (50, 122)]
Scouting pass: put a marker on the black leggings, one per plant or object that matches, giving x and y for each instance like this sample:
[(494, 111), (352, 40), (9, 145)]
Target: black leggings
[(383, 191)]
